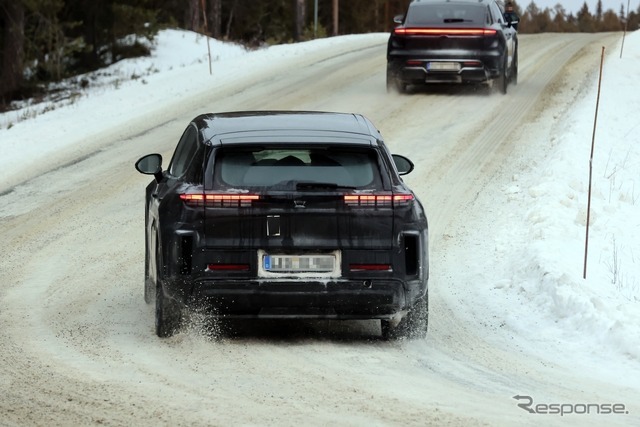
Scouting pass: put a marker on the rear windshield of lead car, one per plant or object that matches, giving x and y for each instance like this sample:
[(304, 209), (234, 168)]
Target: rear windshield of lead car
[(450, 13), (285, 167)]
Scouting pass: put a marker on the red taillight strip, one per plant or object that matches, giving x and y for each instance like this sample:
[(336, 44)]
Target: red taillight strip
[(445, 31), (240, 197), (228, 267), (402, 198), (373, 200), (192, 197), (369, 267), (472, 64), (368, 199), (219, 199)]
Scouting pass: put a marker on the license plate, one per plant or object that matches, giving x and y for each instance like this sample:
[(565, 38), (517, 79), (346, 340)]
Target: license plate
[(443, 66), (299, 263)]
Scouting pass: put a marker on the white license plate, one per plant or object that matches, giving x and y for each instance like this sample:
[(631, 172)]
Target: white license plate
[(299, 263), (443, 66), (316, 265)]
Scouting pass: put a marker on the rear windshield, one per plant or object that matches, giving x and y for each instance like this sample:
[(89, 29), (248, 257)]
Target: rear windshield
[(450, 13), (286, 167)]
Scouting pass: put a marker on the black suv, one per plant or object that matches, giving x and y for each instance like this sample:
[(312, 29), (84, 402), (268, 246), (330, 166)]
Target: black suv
[(453, 41), (285, 215)]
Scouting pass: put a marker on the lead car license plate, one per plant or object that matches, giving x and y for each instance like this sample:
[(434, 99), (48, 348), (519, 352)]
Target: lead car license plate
[(443, 66), (299, 263), (316, 264)]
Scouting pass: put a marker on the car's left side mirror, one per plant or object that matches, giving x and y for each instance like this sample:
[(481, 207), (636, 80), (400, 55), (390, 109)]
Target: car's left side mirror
[(151, 164), (403, 164), (398, 19)]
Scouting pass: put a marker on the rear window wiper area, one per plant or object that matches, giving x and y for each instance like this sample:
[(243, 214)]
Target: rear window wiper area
[(455, 20), (322, 186)]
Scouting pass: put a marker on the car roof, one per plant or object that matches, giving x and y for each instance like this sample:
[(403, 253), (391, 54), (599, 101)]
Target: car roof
[(422, 2), (256, 126), (425, 3)]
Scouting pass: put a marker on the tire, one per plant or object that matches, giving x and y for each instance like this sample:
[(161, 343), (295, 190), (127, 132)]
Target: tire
[(149, 279), (413, 325), (390, 82), (393, 84), (514, 69), (168, 313), (502, 81)]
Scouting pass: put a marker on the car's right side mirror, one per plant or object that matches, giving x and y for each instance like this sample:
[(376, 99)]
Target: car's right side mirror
[(403, 164)]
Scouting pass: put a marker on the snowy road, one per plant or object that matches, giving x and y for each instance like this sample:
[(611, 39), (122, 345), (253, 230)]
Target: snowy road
[(78, 346)]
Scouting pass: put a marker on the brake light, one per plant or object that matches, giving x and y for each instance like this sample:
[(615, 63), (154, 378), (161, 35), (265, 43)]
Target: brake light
[(472, 64), (474, 32), (369, 267), (219, 200), (228, 267), (402, 199), (377, 200), (368, 200)]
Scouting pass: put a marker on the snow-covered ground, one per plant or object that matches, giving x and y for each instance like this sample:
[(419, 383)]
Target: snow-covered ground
[(536, 230), (528, 270)]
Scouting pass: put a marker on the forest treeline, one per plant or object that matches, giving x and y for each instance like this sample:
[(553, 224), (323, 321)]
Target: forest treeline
[(43, 41)]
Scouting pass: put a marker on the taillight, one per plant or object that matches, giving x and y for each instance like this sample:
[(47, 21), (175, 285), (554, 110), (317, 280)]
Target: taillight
[(219, 200), (228, 267), (472, 64), (377, 200), (402, 199), (474, 32)]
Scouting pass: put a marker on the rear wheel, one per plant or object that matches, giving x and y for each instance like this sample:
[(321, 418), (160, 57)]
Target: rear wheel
[(150, 275), (394, 84), (413, 325), (168, 313), (502, 81), (514, 69)]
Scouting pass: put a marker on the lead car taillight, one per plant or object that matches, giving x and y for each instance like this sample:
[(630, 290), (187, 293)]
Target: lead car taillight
[(472, 32), (377, 200), (219, 200)]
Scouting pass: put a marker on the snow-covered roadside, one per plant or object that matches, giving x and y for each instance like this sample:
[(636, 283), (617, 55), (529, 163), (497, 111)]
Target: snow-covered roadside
[(526, 272), (531, 277)]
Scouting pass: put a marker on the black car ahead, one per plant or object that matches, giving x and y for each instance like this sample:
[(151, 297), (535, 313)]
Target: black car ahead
[(285, 215), (452, 41)]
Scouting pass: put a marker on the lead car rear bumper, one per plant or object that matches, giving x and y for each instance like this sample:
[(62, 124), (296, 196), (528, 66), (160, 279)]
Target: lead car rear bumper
[(337, 299)]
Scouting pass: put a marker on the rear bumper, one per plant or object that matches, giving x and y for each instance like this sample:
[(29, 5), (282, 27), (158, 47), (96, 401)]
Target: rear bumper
[(412, 73), (417, 75), (339, 299)]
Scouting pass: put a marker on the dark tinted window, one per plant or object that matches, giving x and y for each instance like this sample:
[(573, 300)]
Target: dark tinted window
[(449, 13), (287, 166)]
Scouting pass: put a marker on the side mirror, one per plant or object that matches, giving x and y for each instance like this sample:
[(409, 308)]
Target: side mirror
[(398, 19), (403, 164), (151, 164)]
